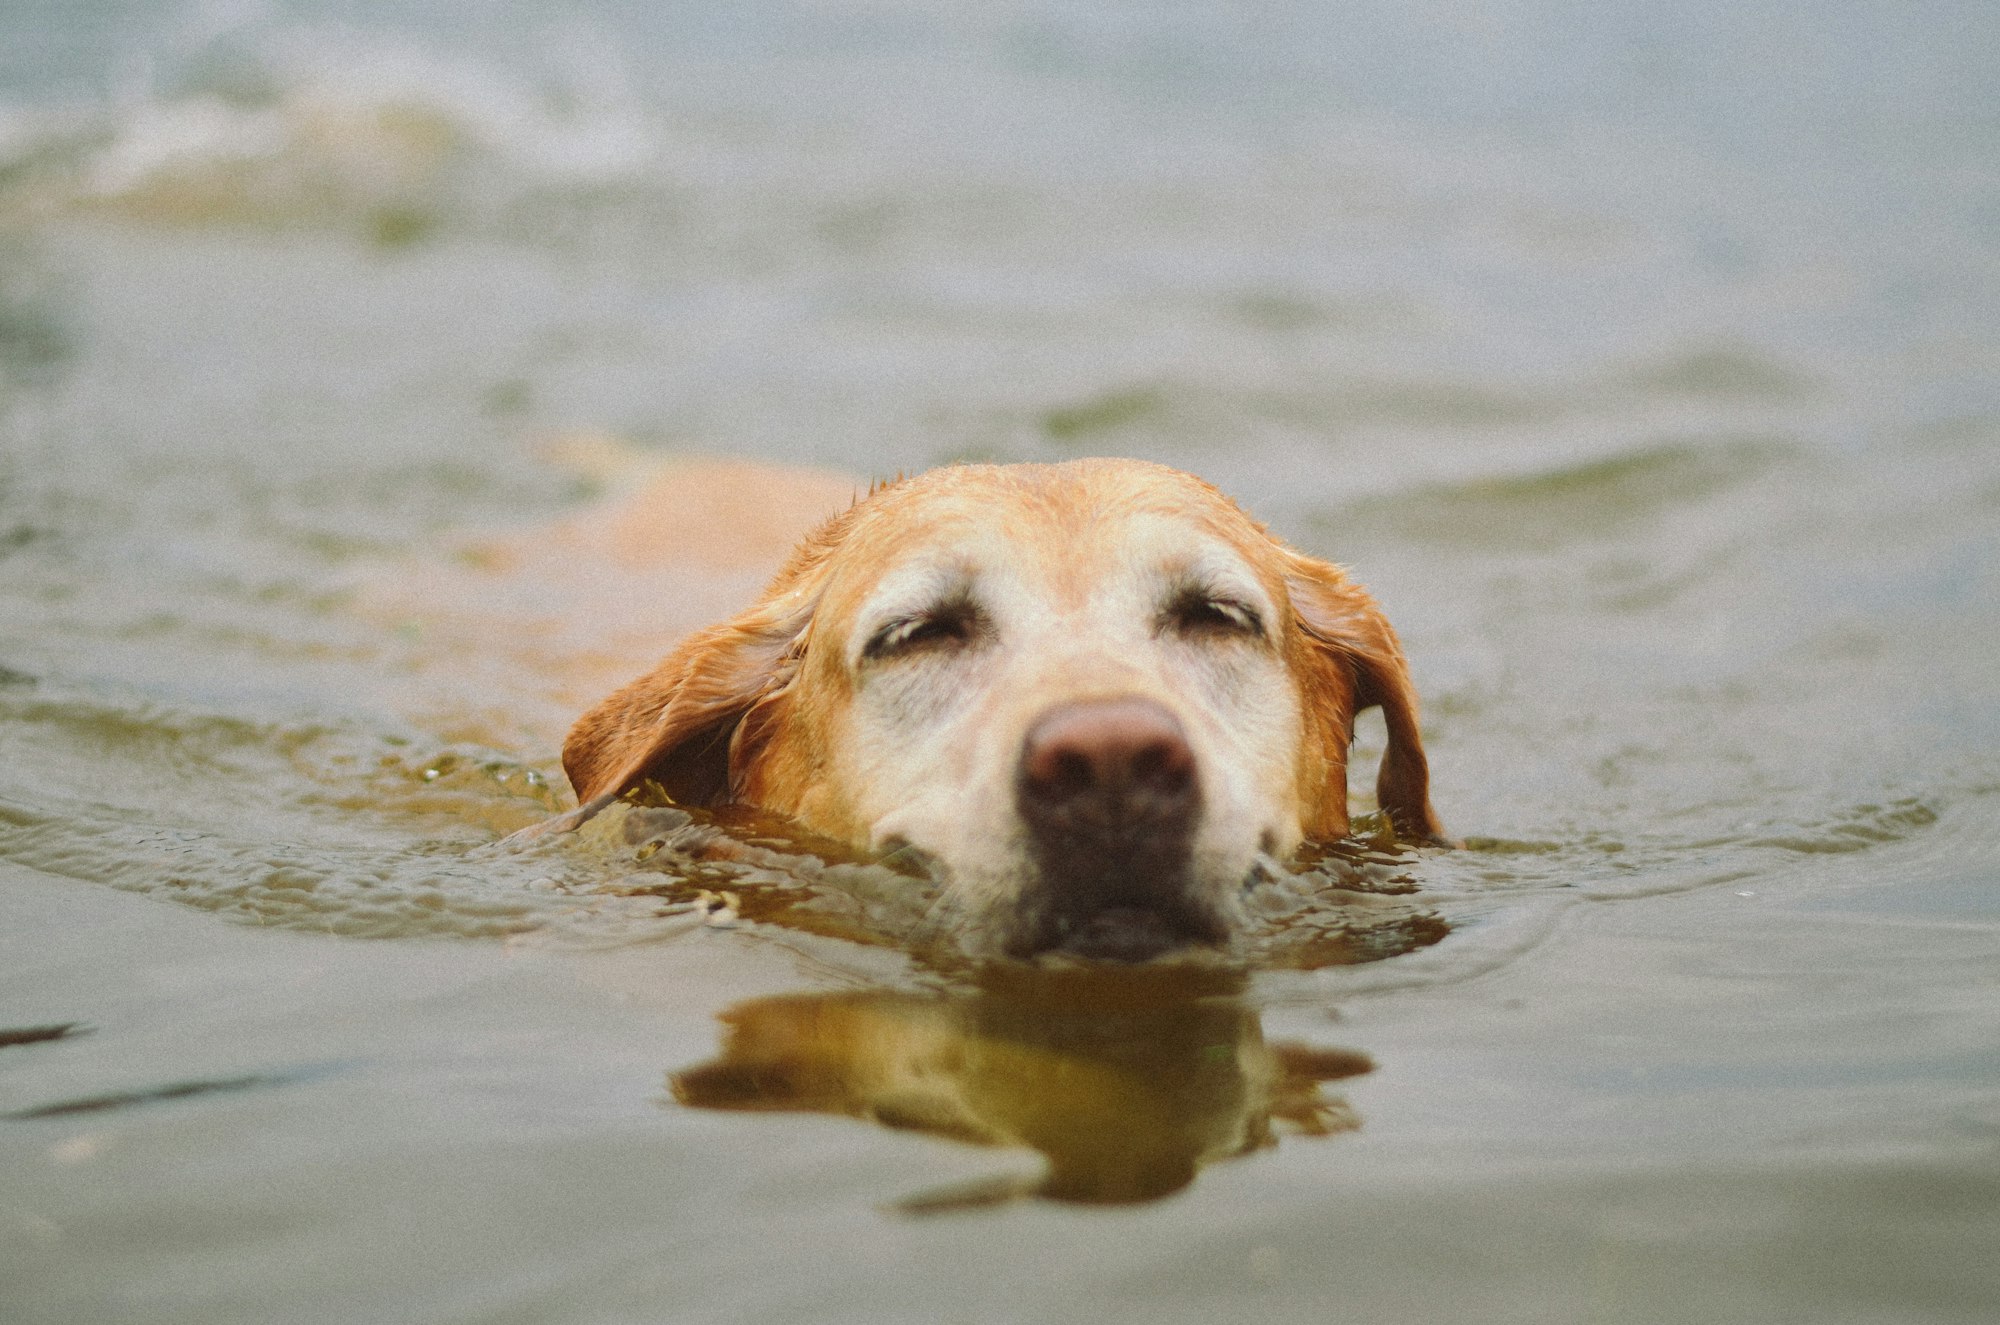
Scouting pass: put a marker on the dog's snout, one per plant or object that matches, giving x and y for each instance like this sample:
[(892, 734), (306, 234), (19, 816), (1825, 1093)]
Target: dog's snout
[(1110, 794), (1123, 758)]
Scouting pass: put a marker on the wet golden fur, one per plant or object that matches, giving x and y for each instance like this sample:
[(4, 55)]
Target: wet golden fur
[(784, 707)]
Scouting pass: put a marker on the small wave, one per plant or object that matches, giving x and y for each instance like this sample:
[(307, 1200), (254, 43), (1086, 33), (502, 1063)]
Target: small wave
[(150, 798), (1590, 499), (36, 338), (1502, 899), (1855, 829), (1654, 864), (173, 1091), (282, 129), (1723, 372), (157, 760), (338, 891)]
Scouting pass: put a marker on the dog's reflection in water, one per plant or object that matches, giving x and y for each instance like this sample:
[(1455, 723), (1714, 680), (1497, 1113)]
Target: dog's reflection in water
[(1126, 1080)]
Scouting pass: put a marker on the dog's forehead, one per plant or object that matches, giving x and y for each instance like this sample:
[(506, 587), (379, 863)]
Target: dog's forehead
[(1064, 540)]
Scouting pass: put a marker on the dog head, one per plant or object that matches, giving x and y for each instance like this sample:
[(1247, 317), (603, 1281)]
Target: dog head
[(1096, 696)]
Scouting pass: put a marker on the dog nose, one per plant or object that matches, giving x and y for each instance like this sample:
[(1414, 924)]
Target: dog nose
[(1109, 762), (1110, 795)]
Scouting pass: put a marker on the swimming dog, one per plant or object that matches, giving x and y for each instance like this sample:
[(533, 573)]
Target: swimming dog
[(1095, 698)]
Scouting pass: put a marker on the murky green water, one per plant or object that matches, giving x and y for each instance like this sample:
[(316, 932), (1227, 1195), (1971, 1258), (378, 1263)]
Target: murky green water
[(1644, 364)]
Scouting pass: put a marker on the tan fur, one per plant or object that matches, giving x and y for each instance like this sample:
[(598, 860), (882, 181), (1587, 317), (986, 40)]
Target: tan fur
[(772, 708)]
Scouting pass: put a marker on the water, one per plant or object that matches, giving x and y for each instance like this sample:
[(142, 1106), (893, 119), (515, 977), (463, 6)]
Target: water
[(1642, 361)]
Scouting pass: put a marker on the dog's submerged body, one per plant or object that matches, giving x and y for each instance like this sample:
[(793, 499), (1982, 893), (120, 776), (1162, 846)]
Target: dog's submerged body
[(1095, 697)]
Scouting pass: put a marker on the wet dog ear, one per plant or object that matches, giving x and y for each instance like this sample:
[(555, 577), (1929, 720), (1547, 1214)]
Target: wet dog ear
[(694, 723), (1353, 661), (678, 724)]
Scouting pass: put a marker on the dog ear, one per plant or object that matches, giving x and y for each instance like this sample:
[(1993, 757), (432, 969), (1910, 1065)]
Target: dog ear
[(1354, 662), (677, 725), (694, 723)]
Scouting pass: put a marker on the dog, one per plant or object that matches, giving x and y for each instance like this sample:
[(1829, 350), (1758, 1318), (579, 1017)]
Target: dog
[(1095, 699)]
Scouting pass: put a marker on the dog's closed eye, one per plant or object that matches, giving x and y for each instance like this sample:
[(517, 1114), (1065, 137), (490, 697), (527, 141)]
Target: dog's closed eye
[(1201, 611), (953, 624)]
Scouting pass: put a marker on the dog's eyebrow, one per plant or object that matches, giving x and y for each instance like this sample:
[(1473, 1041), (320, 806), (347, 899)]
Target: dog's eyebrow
[(910, 591)]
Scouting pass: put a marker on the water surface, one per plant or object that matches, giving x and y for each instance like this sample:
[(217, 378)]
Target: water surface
[(1642, 362)]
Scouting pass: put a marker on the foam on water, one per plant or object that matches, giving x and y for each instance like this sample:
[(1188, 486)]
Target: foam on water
[(310, 127)]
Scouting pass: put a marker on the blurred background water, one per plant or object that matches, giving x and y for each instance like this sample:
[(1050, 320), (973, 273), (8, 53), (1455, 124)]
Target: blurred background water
[(1644, 360)]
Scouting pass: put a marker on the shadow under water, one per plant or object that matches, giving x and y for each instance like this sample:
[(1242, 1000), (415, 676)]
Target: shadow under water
[(1126, 1080)]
